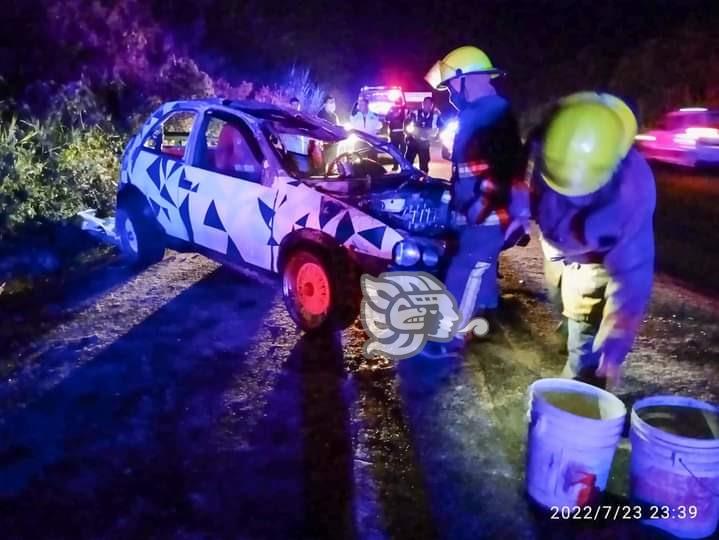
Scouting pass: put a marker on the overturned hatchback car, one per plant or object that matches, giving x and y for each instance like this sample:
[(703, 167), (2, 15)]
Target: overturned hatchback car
[(253, 184)]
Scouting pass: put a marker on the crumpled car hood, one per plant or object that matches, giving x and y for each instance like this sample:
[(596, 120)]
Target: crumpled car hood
[(414, 206)]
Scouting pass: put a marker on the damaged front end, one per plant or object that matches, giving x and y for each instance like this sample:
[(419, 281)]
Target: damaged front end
[(411, 206), (418, 208), (414, 207)]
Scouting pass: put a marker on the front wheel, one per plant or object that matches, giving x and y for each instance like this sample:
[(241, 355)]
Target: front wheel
[(320, 293), (141, 241)]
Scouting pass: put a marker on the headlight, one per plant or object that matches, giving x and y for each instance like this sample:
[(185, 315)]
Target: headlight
[(410, 128), (407, 253), (430, 257)]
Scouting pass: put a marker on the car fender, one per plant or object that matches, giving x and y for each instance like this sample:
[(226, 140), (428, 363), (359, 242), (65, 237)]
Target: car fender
[(305, 237), (130, 196), (302, 207)]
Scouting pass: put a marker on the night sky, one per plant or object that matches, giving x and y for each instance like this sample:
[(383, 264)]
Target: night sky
[(396, 41), (546, 46)]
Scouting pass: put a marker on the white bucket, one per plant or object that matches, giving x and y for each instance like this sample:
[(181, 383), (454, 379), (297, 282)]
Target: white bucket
[(574, 429), (675, 463)]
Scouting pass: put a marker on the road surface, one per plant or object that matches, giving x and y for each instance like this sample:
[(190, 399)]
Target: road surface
[(182, 403)]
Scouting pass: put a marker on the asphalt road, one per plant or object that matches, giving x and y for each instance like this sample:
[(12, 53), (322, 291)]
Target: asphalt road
[(182, 403)]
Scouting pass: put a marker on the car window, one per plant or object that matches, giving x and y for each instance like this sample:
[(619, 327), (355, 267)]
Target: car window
[(171, 135), (228, 146), (351, 157)]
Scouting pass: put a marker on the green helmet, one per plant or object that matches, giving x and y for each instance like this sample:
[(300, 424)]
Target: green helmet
[(585, 141)]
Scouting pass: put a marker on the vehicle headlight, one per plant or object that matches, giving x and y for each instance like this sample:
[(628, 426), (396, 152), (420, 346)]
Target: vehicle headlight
[(407, 253), (430, 257)]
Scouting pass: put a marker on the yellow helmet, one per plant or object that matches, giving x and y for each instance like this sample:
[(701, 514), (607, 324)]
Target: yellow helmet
[(461, 61), (619, 106), (585, 141)]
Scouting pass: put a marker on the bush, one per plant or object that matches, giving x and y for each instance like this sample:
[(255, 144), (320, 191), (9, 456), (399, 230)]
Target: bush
[(298, 83), (50, 169), (65, 157)]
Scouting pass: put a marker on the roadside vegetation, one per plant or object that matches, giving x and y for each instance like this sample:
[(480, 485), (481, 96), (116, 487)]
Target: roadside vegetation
[(67, 111)]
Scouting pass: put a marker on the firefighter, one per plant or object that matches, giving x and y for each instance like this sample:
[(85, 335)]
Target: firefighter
[(421, 131), (396, 121), (593, 197), (489, 198)]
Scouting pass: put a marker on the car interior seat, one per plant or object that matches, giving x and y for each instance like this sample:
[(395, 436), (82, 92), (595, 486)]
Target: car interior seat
[(233, 155)]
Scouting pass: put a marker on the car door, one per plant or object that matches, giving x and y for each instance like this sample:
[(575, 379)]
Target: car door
[(225, 204), (159, 165)]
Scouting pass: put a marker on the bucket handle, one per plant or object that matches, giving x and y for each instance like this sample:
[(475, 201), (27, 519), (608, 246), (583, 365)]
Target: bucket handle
[(698, 480)]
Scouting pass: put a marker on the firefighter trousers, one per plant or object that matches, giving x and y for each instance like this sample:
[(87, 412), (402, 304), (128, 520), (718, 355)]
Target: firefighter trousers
[(472, 273), (603, 312)]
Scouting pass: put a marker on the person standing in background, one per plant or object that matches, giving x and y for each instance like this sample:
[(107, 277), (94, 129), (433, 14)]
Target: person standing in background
[(422, 130), (364, 119), (328, 110), (396, 122), (328, 113)]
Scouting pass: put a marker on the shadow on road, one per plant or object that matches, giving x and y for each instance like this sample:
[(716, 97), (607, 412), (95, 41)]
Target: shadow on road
[(50, 303), (292, 477), (119, 446)]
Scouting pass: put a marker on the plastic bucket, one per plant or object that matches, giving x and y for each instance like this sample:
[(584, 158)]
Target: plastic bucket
[(574, 429), (675, 463)]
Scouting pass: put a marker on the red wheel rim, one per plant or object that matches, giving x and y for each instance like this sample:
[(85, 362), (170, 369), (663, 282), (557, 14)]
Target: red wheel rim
[(313, 289)]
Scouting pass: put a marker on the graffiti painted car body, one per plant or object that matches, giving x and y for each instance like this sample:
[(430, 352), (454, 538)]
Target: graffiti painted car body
[(257, 185)]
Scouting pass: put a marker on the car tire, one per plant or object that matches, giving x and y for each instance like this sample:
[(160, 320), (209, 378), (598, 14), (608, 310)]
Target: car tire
[(320, 289), (141, 239)]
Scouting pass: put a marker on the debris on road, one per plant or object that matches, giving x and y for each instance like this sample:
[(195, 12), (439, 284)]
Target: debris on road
[(101, 228)]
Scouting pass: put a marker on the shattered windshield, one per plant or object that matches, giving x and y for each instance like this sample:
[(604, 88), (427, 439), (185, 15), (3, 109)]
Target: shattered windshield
[(311, 151)]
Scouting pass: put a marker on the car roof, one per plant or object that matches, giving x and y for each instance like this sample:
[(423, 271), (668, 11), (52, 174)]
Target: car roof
[(251, 108), (255, 111)]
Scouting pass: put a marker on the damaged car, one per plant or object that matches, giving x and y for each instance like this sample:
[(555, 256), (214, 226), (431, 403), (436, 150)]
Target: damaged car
[(260, 186)]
